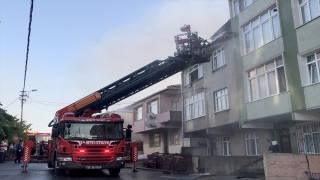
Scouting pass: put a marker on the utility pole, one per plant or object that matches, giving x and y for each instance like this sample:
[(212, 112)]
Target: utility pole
[(23, 96)]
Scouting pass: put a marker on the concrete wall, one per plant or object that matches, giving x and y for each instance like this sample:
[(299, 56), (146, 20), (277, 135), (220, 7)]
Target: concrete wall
[(164, 110), (290, 55), (224, 165), (308, 35), (270, 106), (166, 99), (195, 124), (263, 53), (238, 144), (312, 96), (280, 166), (223, 77)]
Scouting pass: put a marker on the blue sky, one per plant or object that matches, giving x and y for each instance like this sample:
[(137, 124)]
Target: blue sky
[(80, 46)]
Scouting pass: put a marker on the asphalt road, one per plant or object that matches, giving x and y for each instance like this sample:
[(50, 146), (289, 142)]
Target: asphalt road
[(13, 171)]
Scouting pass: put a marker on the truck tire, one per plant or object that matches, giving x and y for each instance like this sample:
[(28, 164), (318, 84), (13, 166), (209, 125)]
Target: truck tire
[(114, 172), (50, 165)]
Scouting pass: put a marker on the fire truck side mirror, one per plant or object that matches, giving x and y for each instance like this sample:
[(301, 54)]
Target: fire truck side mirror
[(55, 132)]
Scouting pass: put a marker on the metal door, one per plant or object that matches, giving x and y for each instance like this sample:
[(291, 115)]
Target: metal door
[(285, 143)]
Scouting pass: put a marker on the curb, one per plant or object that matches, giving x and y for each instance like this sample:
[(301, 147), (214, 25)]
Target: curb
[(150, 169)]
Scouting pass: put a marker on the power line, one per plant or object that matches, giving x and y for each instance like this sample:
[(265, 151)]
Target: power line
[(27, 57), (11, 103), (28, 43), (39, 107), (48, 102)]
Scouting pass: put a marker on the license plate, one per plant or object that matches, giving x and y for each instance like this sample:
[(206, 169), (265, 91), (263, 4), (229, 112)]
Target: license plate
[(93, 167)]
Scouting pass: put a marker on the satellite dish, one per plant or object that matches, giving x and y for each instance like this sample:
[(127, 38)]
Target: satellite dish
[(150, 116), (150, 123)]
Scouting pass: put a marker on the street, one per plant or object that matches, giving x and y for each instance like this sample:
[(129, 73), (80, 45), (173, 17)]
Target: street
[(11, 170)]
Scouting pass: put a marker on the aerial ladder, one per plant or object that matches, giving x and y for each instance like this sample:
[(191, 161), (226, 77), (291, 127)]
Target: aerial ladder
[(74, 149)]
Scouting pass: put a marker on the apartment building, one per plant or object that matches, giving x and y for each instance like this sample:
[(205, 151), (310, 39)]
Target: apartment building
[(262, 82), (166, 137)]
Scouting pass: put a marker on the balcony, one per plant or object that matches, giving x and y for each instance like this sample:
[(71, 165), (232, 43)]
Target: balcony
[(168, 119)]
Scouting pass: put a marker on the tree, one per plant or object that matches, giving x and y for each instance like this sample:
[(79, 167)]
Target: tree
[(11, 126)]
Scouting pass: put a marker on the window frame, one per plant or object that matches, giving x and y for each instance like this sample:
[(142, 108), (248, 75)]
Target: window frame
[(265, 73), (224, 96), (309, 11), (214, 55), (313, 131), (257, 145), (137, 113), (174, 106), (150, 104), (259, 25), (226, 140), (187, 78), (316, 61), (152, 142), (174, 138), (246, 6), (234, 7), (190, 105)]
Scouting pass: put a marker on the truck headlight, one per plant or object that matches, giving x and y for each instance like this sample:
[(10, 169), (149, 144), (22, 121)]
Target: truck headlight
[(119, 158), (65, 158)]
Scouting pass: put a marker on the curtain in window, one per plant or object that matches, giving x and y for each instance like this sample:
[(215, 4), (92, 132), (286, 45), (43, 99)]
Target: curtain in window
[(282, 80), (272, 83), (262, 86), (305, 13)]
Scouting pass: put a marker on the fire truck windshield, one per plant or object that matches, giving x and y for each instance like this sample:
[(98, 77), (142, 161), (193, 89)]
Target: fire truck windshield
[(92, 130)]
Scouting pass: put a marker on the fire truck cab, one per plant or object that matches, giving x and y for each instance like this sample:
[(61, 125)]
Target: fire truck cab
[(89, 143)]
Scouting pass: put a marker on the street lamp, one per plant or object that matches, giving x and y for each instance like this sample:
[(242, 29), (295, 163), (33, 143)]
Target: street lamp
[(23, 96)]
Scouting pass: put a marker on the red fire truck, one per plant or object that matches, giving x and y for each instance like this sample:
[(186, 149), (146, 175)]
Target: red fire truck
[(82, 141), (88, 142)]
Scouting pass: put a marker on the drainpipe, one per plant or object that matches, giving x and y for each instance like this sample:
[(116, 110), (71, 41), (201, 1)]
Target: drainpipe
[(182, 110)]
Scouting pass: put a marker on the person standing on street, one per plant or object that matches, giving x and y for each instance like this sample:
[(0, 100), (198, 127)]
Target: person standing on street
[(41, 149), (2, 152), (18, 152)]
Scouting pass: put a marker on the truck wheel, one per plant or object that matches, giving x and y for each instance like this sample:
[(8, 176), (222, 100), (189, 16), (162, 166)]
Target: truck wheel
[(50, 165), (114, 172)]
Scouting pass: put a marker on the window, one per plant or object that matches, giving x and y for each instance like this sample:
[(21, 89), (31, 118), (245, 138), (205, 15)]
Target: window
[(154, 140), (218, 59), (261, 30), (313, 64), (153, 107), (252, 144), (194, 106), (139, 113), (247, 3), (267, 80), (308, 136), (174, 137), (174, 106), (193, 73), (236, 8), (221, 100), (226, 146), (309, 9)]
